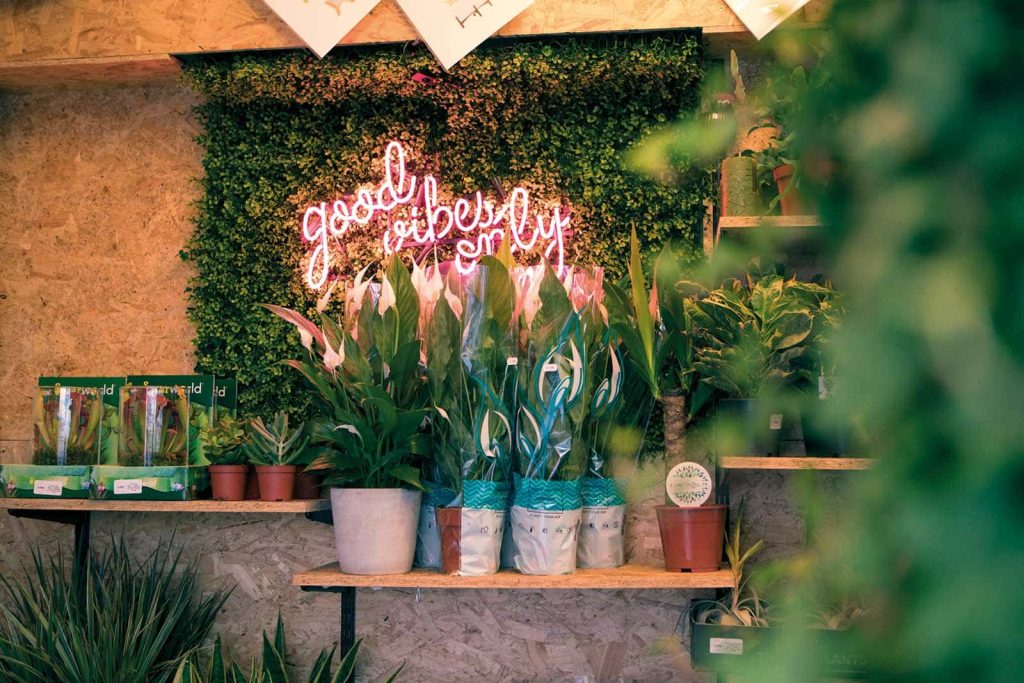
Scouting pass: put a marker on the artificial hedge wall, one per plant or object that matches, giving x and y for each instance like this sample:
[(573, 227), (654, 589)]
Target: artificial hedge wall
[(285, 130)]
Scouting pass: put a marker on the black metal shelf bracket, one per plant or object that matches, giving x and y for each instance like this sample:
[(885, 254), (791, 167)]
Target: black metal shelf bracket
[(80, 519), (348, 612)]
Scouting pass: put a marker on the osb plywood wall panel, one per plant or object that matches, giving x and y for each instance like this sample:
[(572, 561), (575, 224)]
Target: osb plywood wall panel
[(97, 191), (54, 29)]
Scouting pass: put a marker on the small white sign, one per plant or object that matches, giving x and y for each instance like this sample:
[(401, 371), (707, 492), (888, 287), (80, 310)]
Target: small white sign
[(688, 485), (452, 28), (127, 487), (321, 23), (726, 646), (775, 422), (48, 487), (761, 17)]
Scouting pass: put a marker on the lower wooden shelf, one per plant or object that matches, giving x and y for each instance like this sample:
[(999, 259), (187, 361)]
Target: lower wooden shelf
[(65, 504), (742, 462), (630, 576)]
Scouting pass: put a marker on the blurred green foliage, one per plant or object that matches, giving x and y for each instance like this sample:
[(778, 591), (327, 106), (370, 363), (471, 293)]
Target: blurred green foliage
[(284, 130), (926, 221)]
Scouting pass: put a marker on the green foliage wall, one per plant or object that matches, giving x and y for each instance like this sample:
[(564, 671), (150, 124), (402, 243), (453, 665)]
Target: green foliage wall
[(285, 130)]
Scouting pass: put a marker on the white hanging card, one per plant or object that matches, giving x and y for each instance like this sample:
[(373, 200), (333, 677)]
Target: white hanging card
[(452, 28), (761, 17), (321, 23)]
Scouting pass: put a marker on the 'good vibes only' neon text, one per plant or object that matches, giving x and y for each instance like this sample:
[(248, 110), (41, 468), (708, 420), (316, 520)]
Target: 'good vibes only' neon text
[(409, 209)]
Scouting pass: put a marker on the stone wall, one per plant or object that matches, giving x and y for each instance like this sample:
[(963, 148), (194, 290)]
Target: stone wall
[(96, 190)]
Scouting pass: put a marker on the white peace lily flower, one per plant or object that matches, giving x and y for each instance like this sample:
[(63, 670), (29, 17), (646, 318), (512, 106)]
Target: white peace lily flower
[(453, 302), (387, 297), (332, 358), (321, 303), (354, 294)]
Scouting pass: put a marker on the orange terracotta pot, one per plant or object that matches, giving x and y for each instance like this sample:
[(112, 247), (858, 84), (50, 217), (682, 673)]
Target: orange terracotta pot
[(228, 481), (277, 482), (449, 524), (692, 538)]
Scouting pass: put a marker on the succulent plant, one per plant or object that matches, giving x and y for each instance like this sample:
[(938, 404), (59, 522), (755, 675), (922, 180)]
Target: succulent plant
[(223, 442), (277, 444)]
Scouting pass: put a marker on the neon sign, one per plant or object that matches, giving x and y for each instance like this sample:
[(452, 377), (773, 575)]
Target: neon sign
[(413, 216)]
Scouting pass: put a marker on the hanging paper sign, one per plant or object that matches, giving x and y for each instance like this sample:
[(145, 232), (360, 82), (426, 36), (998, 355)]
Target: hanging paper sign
[(452, 28), (761, 17), (321, 23), (411, 215), (688, 485)]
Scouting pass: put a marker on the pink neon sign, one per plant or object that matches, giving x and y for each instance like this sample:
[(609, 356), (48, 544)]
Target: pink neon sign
[(414, 217)]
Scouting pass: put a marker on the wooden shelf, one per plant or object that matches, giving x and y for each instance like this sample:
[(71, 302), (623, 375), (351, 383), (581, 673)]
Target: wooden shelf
[(630, 576), (742, 462), (242, 506), (747, 222)]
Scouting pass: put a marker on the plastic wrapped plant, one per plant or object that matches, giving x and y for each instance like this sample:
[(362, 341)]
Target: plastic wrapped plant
[(67, 426), (154, 427)]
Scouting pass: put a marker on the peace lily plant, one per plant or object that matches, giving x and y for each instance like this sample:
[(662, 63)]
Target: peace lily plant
[(367, 385)]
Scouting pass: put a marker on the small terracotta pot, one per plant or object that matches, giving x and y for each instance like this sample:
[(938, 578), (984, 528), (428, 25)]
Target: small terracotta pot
[(228, 481), (307, 484), (252, 485), (692, 538), (449, 524), (791, 202), (277, 482)]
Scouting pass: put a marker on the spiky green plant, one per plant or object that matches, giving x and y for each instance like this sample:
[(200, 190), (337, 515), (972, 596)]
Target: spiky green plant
[(110, 620), (272, 668), (744, 606), (277, 444)]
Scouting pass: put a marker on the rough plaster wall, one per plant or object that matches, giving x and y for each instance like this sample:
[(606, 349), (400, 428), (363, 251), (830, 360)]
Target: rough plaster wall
[(96, 192)]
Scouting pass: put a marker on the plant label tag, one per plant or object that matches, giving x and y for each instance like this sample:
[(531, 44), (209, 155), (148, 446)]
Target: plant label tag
[(127, 487), (550, 367), (775, 422), (725, 646), (47, 487), (688, 485), (511, 360)]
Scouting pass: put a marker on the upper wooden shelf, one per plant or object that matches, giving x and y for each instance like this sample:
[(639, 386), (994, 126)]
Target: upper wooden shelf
[(738, 462), (745, 222), (630, 576), (75, 505)]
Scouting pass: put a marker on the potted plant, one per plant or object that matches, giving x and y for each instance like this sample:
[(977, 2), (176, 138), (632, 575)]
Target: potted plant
[(723, 630), (751, 335), (472, 375), (367, 386), (825, 432), (224, 446), (551, 441), (274, 450)]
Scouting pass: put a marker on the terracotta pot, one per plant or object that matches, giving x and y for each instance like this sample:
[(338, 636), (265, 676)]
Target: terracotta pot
[(307, 484), (449, 524), (277, 482), (791, 202), (228, 481), (692, 538), (252, 486)]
